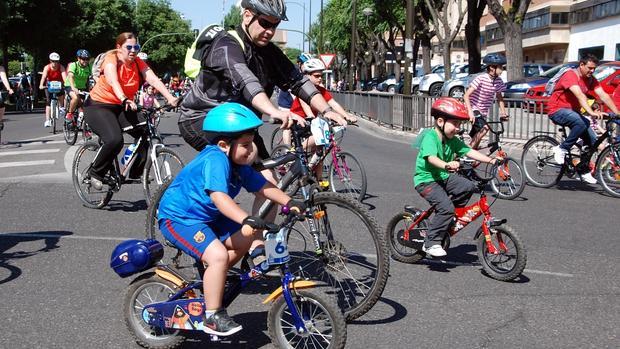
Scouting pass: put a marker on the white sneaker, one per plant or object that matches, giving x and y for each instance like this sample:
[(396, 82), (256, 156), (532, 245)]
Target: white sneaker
[(587, 177), (559, 154), (47, 123), (435, 250)]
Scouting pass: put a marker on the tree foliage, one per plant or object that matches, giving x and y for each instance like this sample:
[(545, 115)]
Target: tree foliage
[(232, 18)]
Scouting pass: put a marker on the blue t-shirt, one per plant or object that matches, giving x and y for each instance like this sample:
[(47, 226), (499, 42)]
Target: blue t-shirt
[(187, 200), (285, 99)]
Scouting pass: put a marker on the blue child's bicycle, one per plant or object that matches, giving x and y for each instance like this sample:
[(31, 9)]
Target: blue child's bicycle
[(160, 307)]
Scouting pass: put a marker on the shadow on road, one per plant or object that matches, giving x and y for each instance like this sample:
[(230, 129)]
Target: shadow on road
[(127, 206), (9, 241), (372, 317)]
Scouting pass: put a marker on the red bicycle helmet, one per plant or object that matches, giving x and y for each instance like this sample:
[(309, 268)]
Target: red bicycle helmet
[(449, 108)]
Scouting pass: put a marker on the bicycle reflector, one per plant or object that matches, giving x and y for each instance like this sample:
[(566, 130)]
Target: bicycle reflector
[(133, 256)]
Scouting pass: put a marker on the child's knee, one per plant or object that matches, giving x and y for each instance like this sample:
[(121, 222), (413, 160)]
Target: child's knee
[(216, 255)]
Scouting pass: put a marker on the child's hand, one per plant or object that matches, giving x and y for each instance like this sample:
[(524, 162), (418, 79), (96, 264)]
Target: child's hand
[(452, 166), (299, 207), (256, 223)]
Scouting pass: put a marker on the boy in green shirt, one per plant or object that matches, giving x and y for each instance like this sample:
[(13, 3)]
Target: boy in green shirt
[(435, 178)]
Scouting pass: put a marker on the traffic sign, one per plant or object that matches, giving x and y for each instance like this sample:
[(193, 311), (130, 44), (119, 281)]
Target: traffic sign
[(327, 58)]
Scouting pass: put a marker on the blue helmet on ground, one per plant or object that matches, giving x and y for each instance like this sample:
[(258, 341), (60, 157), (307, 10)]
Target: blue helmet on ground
[(230, 120), (494, 59)]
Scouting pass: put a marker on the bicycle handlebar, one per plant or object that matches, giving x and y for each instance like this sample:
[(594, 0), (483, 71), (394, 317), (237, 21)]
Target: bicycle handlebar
[(467, 169)]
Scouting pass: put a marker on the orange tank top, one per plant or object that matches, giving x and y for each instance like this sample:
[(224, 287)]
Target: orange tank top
[(128, 76)]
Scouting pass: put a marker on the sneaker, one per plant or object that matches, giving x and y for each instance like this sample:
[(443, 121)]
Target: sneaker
[(47, 123), (559, 154), (587, 177), (69, 117), (88, 135), (220, 324), (435, 250), (96, 183)]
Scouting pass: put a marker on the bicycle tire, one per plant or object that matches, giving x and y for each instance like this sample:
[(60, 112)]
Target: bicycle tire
[(277, 138), (350, 167), (53, 114), (398, 251), (318, 310), (510, 178), (169, 164), (490, 261), (69, 134), (353, 240), (160, 291), (538, 157), (81, 178), (608, 169)]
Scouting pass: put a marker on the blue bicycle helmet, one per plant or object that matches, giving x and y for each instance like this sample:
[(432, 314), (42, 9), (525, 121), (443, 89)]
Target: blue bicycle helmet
[(82, 53), (229, 121), (494, 59), (304, 57)]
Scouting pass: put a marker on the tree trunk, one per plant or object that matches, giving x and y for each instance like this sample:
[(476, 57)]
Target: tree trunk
[(416, 50), (426, 54), (475, 8), (514, 50), (447, 66)]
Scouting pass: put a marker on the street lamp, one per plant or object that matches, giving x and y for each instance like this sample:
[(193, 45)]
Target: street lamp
[(303, 25)]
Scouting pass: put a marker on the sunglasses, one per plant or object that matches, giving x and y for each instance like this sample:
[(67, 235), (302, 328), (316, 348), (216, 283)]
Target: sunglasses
[(135, 47), (266, 24), (317, 75)]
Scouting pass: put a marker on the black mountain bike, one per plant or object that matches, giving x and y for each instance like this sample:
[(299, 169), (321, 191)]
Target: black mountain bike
[(341, 244)]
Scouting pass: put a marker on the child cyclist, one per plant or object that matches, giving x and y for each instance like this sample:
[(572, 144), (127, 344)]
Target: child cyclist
[(197, 212), (434, 177)]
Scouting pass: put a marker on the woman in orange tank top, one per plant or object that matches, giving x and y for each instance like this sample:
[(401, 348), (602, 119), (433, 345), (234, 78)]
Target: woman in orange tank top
[(111, 105), (54, 71)]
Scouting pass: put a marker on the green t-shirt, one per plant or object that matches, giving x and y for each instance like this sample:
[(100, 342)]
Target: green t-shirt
[(80, 75), (432, 145)]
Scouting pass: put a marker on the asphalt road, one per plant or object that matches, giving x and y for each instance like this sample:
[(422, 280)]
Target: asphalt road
[(57, 290)]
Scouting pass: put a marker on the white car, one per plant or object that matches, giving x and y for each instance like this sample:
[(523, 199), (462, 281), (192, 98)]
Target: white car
[(431, 84)]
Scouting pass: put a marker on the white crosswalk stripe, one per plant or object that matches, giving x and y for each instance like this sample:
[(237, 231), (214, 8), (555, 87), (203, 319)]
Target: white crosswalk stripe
[(36, 160)]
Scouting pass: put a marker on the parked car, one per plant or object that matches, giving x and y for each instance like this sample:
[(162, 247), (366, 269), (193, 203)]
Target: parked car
[(371, 84), (532, 76), (383, 85), (607, 74), (456, 87), (431, 84), (415, 81)]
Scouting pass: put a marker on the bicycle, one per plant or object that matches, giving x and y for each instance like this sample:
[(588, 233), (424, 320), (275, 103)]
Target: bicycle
[(277, 137), (542, 171), (509, 183), (348, 251), (24, 101), (299, 316), (346, 173), (72, 127), (54, 88), (500, 249), (163, 163)]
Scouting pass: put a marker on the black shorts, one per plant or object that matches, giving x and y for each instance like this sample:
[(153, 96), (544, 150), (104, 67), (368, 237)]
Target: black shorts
[(192, 133), (58, 96), (478, 124)]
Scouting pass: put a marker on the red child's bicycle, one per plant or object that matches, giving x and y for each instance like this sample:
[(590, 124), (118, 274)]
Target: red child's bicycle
[(500, 249)]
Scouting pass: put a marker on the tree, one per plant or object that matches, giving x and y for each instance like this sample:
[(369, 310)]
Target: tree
[(446, 33), (232, 18), (292, 53), (510, 21), (475, 8)]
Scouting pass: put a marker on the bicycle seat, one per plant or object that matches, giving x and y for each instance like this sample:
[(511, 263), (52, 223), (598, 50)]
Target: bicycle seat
[(411, 209)]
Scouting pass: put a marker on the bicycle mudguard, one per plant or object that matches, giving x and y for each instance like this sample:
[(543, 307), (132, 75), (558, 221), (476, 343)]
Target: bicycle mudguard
[(295, 284)]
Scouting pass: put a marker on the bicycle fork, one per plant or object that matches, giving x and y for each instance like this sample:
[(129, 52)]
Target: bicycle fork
[(487, 223), (158, 174)]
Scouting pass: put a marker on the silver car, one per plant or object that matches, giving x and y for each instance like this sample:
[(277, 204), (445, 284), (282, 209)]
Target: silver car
[(432, 84)]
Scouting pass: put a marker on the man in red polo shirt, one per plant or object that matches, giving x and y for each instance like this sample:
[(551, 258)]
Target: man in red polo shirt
[(569, 96)]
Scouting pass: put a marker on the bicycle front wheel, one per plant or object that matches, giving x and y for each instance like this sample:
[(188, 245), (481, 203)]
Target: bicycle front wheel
[(165, 166), (537, 162), (349, 253), (82, 162), (608, 169), (509, 181), (53, 114), (70, 131), (509, 258), (277, 138), (347, 176)]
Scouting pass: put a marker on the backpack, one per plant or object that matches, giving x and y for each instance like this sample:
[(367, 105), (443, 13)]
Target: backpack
[(550, 86), (96, 70), (201, 46)]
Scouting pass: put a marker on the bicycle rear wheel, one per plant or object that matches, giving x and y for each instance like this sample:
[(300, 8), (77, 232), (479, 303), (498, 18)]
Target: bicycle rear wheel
[(82, 163), (509, 181), (347, 176), (396, 227), (166, 165), (608, 169), (352, 256), (537, 162)]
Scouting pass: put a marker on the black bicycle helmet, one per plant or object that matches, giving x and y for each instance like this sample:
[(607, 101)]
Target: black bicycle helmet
[(272, 8), (494, 59)]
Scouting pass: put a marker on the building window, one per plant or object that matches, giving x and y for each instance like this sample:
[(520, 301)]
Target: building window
[(596, 51), (606, 9), (559, 18), (581, 16), (536, 22)]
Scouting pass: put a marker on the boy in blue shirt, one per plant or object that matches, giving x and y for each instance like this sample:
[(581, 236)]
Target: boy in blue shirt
[(434, 177), (197, 212)]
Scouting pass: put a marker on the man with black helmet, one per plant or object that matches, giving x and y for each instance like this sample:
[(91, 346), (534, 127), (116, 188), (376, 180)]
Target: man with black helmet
[(78, 73), (480, 95)]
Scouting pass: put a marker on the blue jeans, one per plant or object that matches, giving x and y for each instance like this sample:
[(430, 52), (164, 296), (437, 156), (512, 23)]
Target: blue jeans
[(579, 127)]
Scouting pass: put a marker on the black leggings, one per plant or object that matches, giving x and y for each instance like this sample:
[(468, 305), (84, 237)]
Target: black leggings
[(192, 133), (108, 122)]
